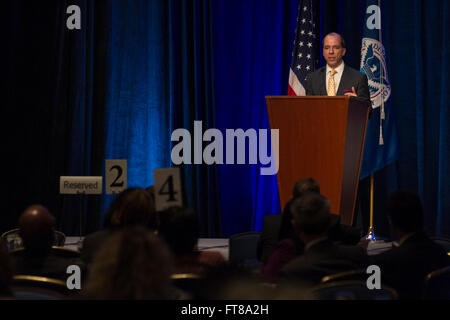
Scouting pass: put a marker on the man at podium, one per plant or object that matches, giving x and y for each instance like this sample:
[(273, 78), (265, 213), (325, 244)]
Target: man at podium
[(336, 78)]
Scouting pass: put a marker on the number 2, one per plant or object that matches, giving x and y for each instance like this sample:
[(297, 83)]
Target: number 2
[(119, 174)]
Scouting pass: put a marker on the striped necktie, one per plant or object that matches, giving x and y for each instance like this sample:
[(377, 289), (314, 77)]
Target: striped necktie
[(331, 85)]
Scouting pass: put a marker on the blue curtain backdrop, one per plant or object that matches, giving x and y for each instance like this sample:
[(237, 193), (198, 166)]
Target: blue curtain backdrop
[(140, 69), (138, 108), (175, 62), (419, 49), (252, 53)]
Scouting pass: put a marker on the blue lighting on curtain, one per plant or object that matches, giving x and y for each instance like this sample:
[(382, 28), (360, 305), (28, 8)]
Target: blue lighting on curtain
[(137, 116), (175, 62)]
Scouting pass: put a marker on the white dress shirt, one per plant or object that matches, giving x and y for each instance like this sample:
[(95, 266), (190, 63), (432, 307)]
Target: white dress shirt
[(337, 75)]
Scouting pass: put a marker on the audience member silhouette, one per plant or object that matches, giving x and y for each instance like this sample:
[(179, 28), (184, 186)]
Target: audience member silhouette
[(289, 245), (179, 227), (6, 273), (311, 222), (133, 206), (133, 264), (36, 225), (405, 267), (277, 227)]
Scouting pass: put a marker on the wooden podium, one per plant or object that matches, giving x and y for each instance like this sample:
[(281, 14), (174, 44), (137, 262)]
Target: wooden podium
[(321, 138)]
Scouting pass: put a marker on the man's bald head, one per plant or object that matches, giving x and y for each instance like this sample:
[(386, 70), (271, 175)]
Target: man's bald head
[(36, 228)]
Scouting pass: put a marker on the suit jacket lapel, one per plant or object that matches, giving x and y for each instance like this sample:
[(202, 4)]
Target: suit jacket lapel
[(323, 79), (342, 83)]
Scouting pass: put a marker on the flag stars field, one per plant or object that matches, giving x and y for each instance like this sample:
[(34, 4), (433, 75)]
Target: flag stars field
[(303, 56)]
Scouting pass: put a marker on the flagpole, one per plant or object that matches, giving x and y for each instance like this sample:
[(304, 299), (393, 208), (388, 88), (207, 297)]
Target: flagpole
[(371, 234)]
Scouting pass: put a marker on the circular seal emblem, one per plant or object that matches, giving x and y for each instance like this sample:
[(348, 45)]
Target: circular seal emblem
[(373, 65)]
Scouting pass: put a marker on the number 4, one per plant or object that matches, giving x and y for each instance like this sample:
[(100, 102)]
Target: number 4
[(171, 192)]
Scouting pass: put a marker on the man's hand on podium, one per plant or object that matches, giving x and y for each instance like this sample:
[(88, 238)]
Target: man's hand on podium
[(350, 93)]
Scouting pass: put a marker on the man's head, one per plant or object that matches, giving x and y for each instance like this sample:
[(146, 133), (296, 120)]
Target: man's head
[(405, 211), (305, 185), (333, 49), (311, 214), (36, 226), (301, 187)]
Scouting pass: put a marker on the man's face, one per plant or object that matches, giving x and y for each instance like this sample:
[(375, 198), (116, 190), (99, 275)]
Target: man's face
[(333, 51)]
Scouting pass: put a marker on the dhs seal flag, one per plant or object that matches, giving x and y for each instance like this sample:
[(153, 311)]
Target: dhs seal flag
[(373, 64), (381, 146)]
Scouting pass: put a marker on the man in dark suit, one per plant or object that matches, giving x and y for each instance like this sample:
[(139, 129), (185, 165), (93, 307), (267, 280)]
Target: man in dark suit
[(278, 226), (344, 81), (405, 267), (36, 226), (336, 78), (311, 221)]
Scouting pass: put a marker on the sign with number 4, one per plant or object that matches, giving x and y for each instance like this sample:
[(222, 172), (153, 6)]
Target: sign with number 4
[(167, 188)]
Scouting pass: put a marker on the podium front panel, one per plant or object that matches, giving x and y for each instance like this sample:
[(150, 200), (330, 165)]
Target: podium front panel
[(314, 142)]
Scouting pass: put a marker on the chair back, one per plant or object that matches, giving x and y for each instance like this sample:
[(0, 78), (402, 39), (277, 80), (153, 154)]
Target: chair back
[(358, 274), (60, 239), (243, 249), (443, 242), (29, 287), (65, 252), (437, 285), (189, 283), (59, 251), (14, 241), (352, 290)]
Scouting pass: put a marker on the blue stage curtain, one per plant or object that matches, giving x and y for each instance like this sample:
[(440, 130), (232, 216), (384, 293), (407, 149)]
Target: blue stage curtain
[(191, 81), (160, 79), (52, 108), (419, 47), (171, 63), (137, 110), (252, 54)]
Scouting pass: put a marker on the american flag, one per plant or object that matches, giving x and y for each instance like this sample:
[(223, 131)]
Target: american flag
[(303, 54)]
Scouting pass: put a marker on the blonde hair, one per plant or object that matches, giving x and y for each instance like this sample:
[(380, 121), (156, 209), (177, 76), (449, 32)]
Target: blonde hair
[(133, 265)]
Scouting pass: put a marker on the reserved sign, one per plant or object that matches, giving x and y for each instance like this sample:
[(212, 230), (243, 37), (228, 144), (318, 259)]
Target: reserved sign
[(77, 185)]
